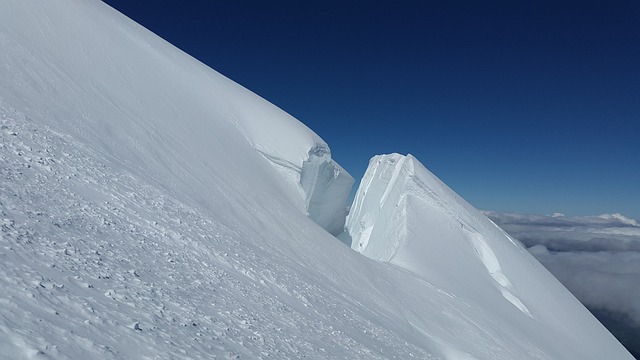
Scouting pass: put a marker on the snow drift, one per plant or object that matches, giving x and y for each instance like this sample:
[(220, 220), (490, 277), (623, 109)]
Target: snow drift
[(153, 208)]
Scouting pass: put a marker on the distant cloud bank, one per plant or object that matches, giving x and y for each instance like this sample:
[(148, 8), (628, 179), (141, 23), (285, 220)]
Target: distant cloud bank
[(596, 257), (609, 232)]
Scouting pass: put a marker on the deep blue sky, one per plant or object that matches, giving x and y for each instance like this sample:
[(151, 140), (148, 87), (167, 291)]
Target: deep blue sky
[(526, 106)]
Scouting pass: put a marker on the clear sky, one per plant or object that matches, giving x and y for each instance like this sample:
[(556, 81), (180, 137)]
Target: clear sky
[(523, 106)]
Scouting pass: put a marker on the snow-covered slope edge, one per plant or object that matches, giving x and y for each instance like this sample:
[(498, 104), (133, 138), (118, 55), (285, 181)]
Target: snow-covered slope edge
[(404, 215), (98, 263), (111, 83)]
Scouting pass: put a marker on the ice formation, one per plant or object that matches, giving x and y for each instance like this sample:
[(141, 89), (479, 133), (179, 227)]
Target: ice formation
[(327, 186), (404, 215)]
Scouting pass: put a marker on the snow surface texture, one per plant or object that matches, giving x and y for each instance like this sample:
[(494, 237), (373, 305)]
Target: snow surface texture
[(152, 208)]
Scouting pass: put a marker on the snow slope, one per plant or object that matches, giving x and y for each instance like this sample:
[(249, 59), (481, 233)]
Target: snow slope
[(404, 215), (107, 81), (152, 208)]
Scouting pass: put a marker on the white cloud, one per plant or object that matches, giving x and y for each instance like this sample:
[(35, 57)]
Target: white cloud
[(603, 280), (557, 232), (596, 257)]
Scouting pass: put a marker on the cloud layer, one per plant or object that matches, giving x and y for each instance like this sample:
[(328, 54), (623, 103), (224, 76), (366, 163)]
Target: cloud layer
[(596, 257), (613, 232)]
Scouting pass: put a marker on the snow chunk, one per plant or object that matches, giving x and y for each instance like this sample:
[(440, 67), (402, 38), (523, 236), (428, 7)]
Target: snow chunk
[(404, 215), (369, 216), (327, 186), (318, 186)]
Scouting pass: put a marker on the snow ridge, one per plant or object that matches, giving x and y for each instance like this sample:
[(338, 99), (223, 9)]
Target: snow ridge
[(369, 216), (379, 232), (404, 215)]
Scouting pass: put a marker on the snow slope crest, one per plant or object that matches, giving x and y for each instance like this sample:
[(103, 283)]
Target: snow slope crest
[(144, 102), (391, 190), (404, 215), (369, 214)]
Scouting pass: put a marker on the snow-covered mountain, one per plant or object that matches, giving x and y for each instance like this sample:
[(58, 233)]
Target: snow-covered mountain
[(152, 208)]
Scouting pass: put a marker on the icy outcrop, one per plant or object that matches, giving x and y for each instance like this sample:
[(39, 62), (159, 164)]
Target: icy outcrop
[(404, 215), (326, 185), (318, 186)]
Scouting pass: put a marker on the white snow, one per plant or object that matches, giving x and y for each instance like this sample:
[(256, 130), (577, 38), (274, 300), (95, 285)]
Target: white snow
[(404, 215), (327, 186), (152, 208), (144, 102)]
